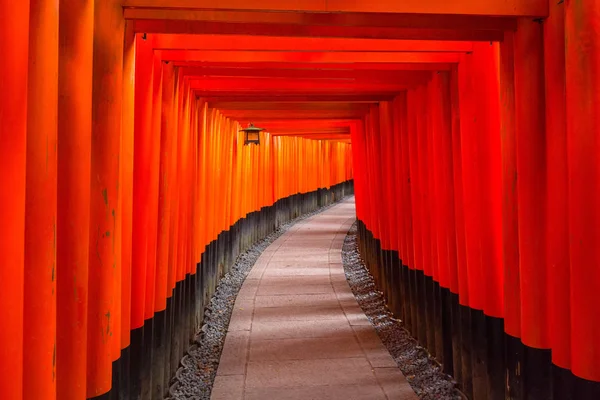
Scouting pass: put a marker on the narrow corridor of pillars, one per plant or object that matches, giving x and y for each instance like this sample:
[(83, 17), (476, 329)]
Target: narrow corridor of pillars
[(495, 201), (72, 126), (491, 163)]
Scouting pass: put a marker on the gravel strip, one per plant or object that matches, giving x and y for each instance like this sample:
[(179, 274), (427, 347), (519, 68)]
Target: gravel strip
[(421, 371), (195, 377)]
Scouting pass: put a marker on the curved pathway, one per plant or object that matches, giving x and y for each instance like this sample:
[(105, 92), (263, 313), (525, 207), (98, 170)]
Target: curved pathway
[(297, 331)]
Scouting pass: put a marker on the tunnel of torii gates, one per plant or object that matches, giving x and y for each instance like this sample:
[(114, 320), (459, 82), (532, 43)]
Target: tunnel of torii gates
[(466, 129)]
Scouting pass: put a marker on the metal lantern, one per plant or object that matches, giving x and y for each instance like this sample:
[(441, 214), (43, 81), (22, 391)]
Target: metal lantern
[(252, 134)]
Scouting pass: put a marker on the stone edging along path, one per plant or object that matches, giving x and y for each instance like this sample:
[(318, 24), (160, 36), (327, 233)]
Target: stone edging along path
[(421, 371)]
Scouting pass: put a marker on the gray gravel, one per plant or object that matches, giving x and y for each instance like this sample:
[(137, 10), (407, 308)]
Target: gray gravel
[(421, 371), (196, 374)]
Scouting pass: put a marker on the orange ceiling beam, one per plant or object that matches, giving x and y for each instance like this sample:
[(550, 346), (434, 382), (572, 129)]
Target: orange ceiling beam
[(321, 131), (212, 84), (297, 97), (312, 56), (341, 67), (244, 42), (305, 124), (268, 29), (375, 76), (313, 134), (381, 20), (273, 115), (458, 7), (290, 106)]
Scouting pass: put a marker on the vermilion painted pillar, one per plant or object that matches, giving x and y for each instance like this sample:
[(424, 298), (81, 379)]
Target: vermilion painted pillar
[(126, 179), (174, 236), (202, 217), (557, 212), (106, 127), (425, 195), (14, 42), (171, 275), (531, 182), (142, 159), (164, 205), (583, 144), (413, 157), (470, 129), (373, 223), (39, 328), (457, 169), (443, 143), (432, 108), (489, 148), (386, 168), (399, 189), (154, 170), (183, 188), (357, 149), (76, 19), (406, 180), (510, 224), (447, 179)]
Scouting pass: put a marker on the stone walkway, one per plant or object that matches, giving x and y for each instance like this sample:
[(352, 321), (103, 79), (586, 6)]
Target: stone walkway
[(297, 331)]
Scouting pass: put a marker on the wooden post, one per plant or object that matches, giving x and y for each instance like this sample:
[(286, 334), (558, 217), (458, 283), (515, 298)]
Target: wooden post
[(39, 324), (106, 128), (14, 44)]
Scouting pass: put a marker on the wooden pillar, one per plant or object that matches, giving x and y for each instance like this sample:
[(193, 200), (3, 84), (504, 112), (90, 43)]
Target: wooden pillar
[(531, 183), (154, 169), (164, 204), (39, 323), (459, 213), (530, 130), (583, 144), (76, 19), (126, 179), (557, 212), (409, 255), (470, 128), (106, 128), (443, 142), (14, 44), (141, 177), (510, 233)]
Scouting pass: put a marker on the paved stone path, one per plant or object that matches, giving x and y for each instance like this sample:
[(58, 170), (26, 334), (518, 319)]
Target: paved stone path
[(297, 331)]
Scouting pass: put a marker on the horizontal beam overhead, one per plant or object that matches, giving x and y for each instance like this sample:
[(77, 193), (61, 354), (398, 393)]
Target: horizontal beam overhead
[(375, 76), (379, 20), (464, 7), (272, 123), (302, 130), (244, 42), (297, 97), (300, 114), (312, 56), (289, 106), (320, 66), (264, 29)]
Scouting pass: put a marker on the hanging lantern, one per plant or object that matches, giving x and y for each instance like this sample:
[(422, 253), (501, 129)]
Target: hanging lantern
[(252, 134)]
